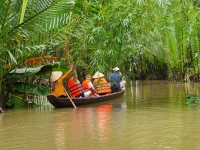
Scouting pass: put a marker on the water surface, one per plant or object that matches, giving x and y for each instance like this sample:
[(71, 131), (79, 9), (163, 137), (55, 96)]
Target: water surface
[(151, 115)]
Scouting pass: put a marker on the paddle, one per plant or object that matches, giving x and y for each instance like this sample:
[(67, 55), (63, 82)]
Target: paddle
[(70, 98)]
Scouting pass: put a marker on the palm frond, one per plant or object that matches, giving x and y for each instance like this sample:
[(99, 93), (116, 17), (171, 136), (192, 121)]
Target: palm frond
[(10, 14), (32, 34)]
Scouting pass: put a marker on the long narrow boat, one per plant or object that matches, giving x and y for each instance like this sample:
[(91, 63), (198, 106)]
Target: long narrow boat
[(58, 102)]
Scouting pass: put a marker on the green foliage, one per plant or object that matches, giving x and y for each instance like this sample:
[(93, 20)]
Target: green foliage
[(31, 88), (10, 103), (17, 101), (162, 35), (40, 24), (103, 34), (157, 32), (45, 70), (18, 74), (193, 101)]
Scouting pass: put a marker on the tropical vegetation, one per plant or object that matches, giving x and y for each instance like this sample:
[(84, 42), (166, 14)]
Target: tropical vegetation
[(153, 39)]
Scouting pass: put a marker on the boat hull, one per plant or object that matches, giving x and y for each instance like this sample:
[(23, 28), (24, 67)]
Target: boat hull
[(58, 102)]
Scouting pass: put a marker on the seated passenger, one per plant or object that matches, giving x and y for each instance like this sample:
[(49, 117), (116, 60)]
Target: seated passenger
[(88, 86), (76, 89), (100, 84)]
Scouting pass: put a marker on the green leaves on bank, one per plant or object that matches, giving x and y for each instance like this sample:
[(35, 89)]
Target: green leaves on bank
[(193, 101), (31, 88), (29, 36)]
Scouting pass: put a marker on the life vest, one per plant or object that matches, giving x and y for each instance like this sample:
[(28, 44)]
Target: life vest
[(102, 86), (87, 88), (74, 88)]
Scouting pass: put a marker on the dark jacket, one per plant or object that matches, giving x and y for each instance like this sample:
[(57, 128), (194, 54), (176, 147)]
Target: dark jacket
[(115, 79)]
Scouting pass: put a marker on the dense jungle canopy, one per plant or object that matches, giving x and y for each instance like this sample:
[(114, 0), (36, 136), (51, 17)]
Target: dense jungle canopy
[(146, 39)]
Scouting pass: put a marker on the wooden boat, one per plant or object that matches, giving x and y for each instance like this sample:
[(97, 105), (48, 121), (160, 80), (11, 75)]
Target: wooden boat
[(58, 102)]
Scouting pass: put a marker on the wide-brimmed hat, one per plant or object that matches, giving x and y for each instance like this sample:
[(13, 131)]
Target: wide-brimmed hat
[(55, 75), (98, 75), (116, 69)]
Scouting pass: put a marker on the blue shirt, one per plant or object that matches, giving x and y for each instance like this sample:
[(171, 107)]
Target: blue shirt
[(115, 81)]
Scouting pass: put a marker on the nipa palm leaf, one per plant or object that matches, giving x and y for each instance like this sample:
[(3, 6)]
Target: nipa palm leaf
[(32, 35)]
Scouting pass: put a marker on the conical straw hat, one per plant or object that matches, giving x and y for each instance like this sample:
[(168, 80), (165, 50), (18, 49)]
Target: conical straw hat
[(55, 75), (98, 75)]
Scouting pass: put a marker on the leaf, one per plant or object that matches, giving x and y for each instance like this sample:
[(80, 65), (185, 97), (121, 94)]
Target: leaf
[(31, 88), (189, 100), (23, 10), (45, 70), (198, 98), (17, 74), (10, 103), (12, 57)]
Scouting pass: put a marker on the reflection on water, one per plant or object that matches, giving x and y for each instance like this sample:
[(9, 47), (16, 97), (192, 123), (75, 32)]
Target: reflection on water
[(151, 115), (157, 92)]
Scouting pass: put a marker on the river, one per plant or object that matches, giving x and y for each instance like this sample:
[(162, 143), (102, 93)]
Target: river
[(151, 115)]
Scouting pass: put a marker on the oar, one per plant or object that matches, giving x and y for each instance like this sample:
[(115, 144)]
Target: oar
[(70, 98)]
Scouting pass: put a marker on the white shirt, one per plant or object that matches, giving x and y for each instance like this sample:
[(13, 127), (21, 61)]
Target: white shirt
[(90, 85)]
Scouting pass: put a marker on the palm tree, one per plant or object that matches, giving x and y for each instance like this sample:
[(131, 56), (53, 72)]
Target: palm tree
[(26, 28)]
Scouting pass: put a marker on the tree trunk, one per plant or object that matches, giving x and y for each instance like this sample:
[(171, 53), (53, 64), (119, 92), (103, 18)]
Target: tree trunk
[(2, 98)]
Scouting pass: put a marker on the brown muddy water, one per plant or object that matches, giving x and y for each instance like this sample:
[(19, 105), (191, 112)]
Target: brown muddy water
[(151, 115)]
